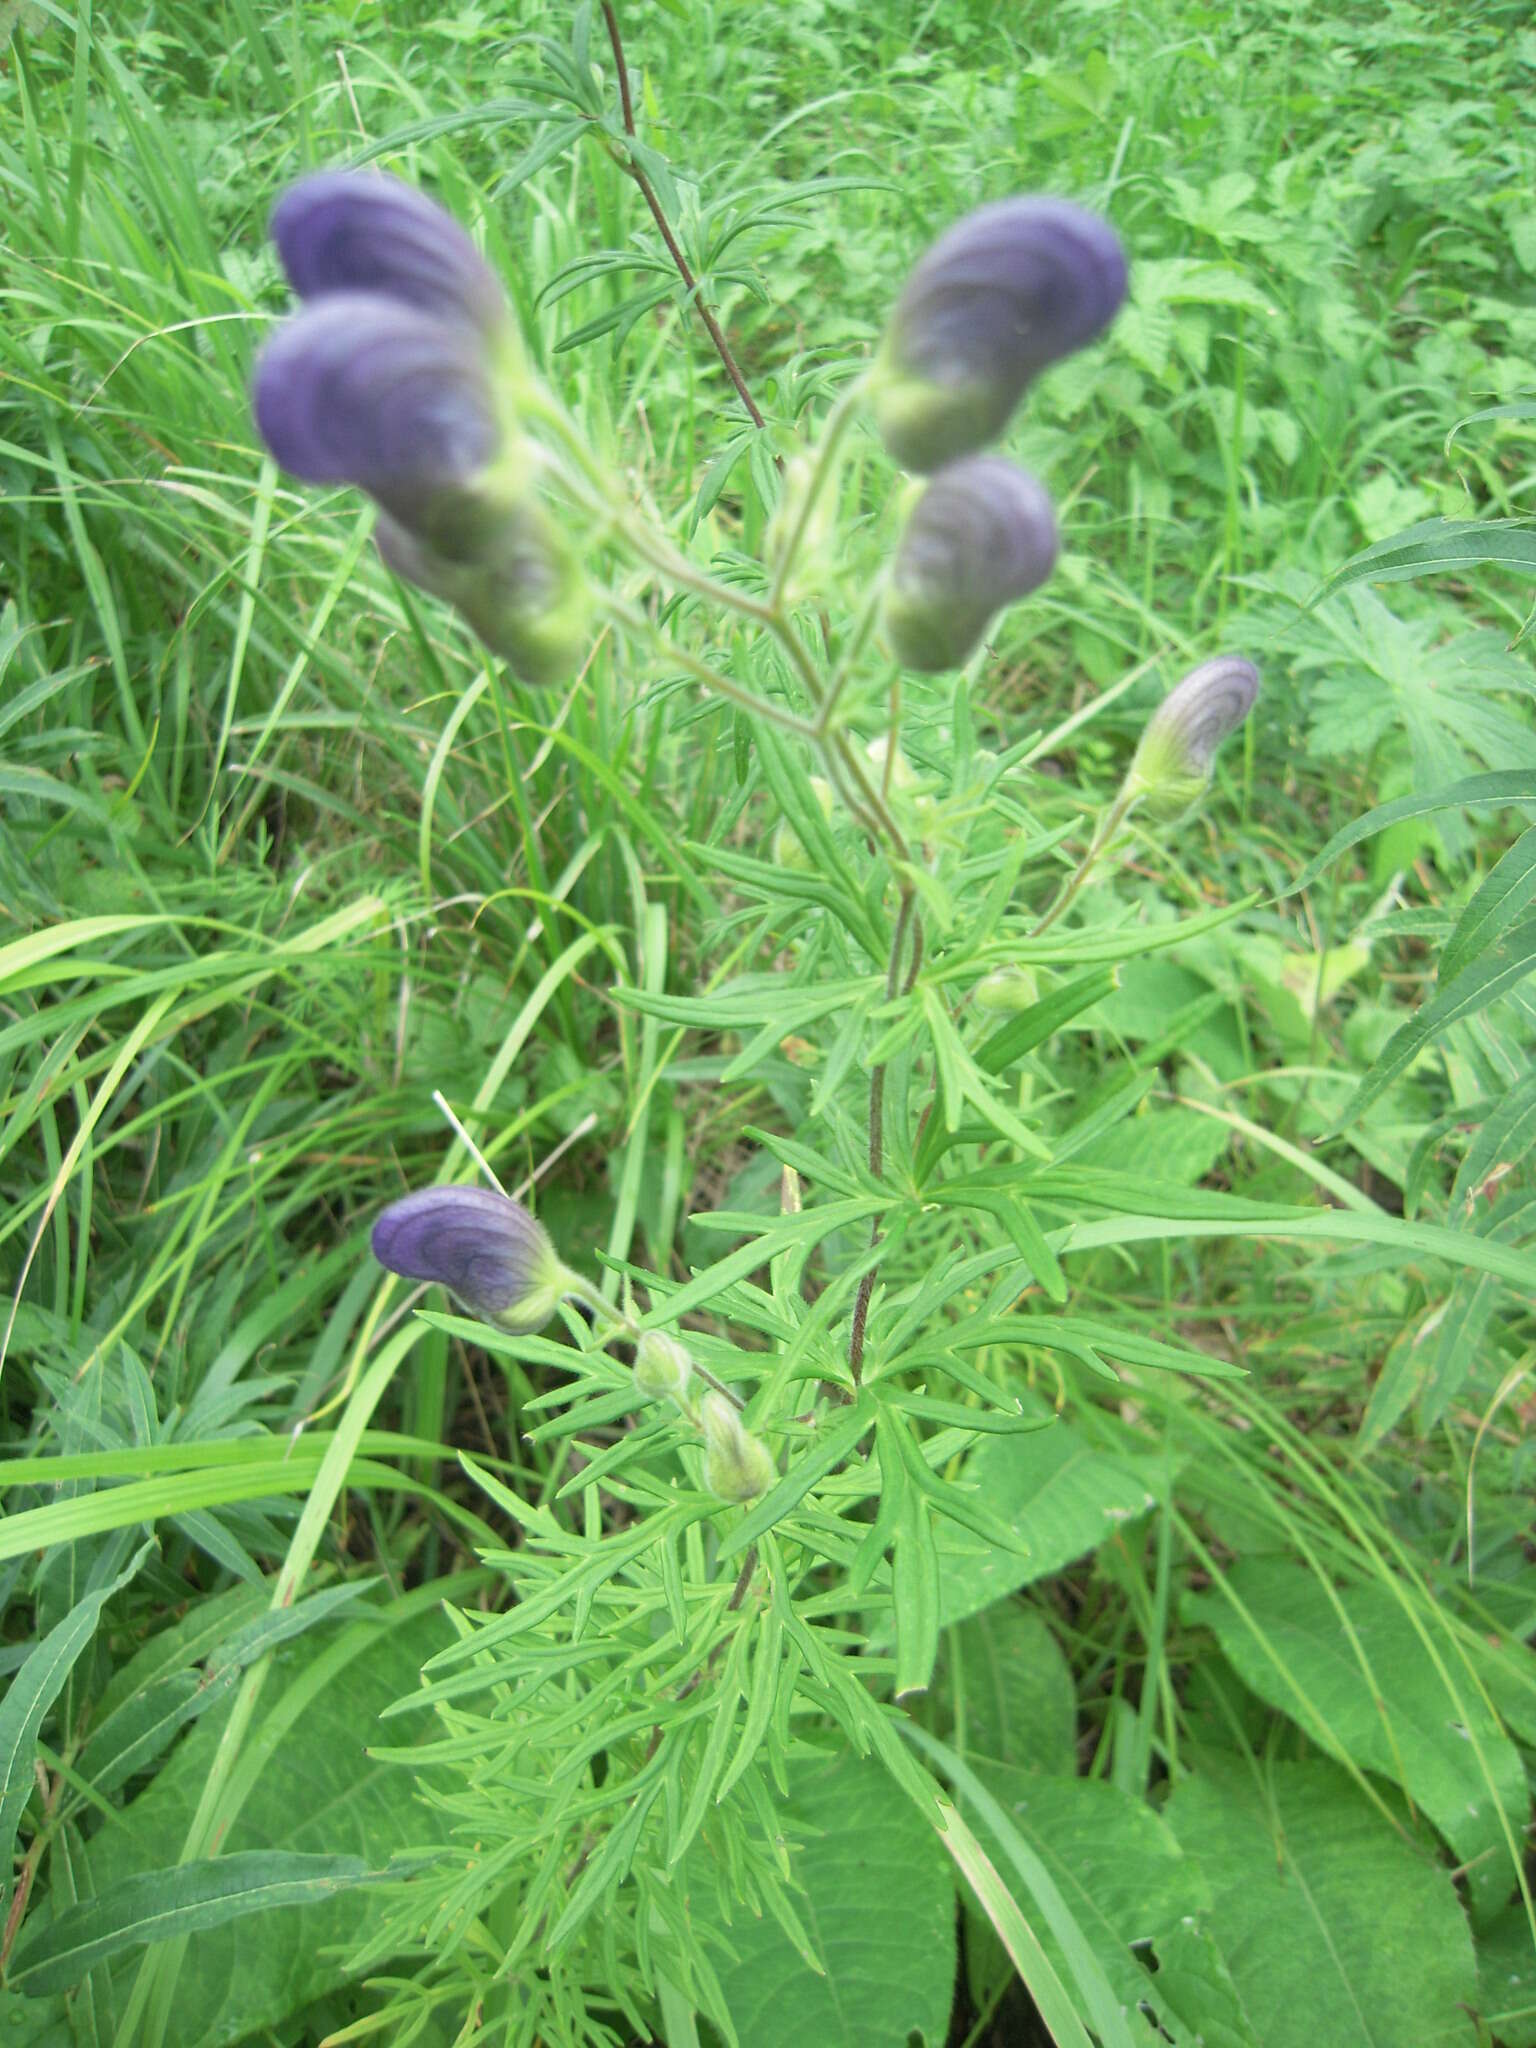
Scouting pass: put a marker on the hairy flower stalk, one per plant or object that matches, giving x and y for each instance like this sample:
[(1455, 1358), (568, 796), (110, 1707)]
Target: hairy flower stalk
[(1004, 293), (1173, 763), (402, 374), (486, 1249), (981, 536)]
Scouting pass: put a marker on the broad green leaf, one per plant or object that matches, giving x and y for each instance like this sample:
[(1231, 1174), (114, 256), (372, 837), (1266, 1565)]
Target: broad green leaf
[(1061, 1497), (1124, 1880), (1336, 1930), (31, 1693), (1506, 1979), (1363, 1683), (318, 1792), (879, 1905), (1006, 1693), (188, 1898)]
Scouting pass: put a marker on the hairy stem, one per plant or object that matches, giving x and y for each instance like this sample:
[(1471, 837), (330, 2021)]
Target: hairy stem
[(835, 426), (648, 192), (1109, 825), (893, 980)]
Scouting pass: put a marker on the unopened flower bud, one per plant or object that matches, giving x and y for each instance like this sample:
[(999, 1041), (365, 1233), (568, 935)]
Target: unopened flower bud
[(1008, 988), (982, 535), (662, 1367), (1005, 292), (483, 1247), (400, 375), (522, 590), (359, 231), (737, 1465), (1172, 764)]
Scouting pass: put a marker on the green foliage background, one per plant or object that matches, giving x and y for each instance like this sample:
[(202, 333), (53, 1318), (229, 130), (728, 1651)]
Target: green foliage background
[(1243, 1710)]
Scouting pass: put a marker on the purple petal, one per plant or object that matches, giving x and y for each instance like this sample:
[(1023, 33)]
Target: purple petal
[(359, 231), (1198, 713), (484, 1247), (982, 535), (361, 390), (1005, 292)]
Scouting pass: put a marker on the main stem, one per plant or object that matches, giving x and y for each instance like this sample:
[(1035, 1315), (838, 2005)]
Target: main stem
[(712, 326), (877, 1119)]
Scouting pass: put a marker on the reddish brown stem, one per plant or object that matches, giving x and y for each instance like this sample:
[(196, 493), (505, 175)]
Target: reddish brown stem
[(712, 326)]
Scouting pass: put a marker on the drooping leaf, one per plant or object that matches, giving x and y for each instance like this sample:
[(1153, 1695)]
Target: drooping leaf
[(1363, 1683), (1334, 1927), (31, 1693), (188, 1898), (1059, 1494), (318, 1793)]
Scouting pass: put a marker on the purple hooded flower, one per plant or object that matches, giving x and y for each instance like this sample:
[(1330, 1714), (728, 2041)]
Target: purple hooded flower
[(1008, 290), (362, 390), (483, 1247), (1173, 762), (359, 231), (400, 375), (982, 535)]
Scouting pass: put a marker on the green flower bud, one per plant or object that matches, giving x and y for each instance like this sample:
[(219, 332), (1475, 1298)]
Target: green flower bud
[(662, 1367), (1008, 988), (1173, 763), (507, 567), (737, 1465)]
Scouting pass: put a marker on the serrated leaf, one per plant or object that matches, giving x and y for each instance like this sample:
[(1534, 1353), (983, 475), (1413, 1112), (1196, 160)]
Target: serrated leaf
[(1334, 1928), (888, 1948), (1383, 1705), (1505, 895), (1120, 1875), (1489, 976), (1059, 1495)]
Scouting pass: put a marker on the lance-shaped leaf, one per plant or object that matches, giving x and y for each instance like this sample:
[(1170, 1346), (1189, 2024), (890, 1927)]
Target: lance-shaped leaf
[(484, 1247), (1004, 293), (981, 536), (360, 231)]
